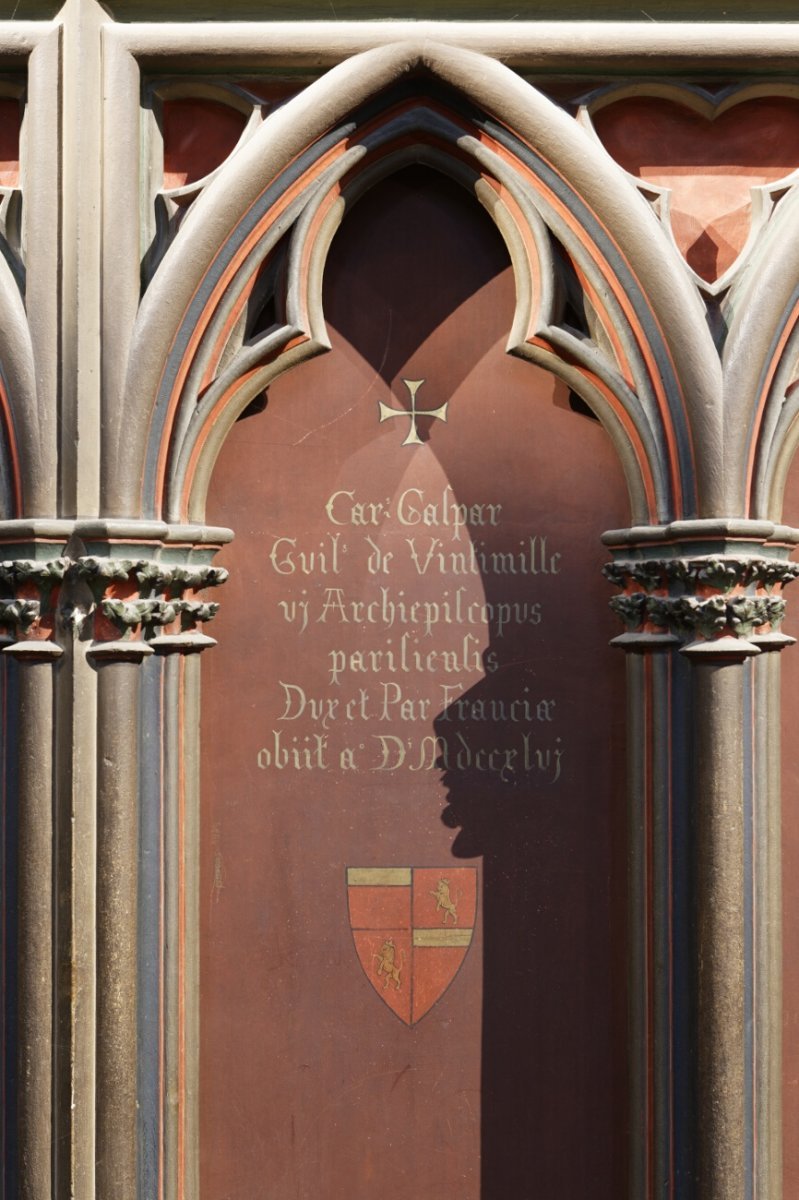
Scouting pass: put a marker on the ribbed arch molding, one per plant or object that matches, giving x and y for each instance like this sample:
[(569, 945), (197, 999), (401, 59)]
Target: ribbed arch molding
[(647, 366)]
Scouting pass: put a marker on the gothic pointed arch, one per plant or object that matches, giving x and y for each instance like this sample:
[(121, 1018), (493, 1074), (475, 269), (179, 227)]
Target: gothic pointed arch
[(26, 447), (644, 359)]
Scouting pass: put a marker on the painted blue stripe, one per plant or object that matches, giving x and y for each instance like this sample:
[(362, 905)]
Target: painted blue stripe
[(749, 974), (150, 898)]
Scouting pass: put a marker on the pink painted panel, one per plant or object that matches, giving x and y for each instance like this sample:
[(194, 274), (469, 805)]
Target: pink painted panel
[(198, 136), (709, 165), (389, 600)]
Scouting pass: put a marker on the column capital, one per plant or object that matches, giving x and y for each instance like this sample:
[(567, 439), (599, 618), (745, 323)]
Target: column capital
[(712, 588), (130, 589)]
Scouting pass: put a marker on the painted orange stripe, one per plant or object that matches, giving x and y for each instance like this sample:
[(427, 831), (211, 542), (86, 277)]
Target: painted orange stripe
[(607, 326), (227, 328)]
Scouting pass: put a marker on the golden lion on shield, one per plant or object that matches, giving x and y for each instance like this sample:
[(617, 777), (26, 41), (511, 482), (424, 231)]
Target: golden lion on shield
[(445, 900), (387, 964)]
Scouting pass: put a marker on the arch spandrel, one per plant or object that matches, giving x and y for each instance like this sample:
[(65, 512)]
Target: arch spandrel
[(675, 373)]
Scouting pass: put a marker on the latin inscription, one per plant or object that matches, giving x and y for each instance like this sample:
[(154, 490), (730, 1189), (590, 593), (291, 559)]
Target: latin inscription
[(401, 661)]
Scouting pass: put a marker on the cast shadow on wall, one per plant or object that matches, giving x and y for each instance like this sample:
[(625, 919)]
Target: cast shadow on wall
[(547, 817), (548, 824)]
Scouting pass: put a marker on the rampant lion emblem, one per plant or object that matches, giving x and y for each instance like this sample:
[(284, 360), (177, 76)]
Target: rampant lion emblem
[(412, 928), (444, 900), (387, 964)]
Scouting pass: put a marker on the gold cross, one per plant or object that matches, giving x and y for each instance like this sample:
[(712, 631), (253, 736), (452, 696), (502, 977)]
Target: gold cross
[(387, 411)]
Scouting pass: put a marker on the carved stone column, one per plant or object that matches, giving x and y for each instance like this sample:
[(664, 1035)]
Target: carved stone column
[(709, 592), (140, 606), (82, 606), (27, 588)]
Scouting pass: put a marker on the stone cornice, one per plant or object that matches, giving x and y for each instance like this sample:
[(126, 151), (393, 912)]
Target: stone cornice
[(546, 44)]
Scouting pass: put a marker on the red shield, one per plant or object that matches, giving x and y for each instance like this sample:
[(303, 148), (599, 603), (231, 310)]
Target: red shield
[(412, 928)]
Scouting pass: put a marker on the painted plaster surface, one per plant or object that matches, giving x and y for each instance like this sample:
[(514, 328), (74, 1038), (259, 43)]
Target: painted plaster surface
[(412, 705)]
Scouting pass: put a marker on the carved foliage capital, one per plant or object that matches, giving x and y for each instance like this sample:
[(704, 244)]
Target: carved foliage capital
[(128, 608), (141, 605), (712, 606)]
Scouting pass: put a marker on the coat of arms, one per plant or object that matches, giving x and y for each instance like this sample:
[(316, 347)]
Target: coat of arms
[(412, 928)]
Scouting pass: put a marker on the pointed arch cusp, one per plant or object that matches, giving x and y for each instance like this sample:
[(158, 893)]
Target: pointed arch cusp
[(472, 117)]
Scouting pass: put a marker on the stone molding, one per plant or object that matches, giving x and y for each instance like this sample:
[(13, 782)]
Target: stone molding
[(715, 598), (524, 45)]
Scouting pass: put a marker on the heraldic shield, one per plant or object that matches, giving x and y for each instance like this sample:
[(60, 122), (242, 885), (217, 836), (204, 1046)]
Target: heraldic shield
[(412, 928)]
